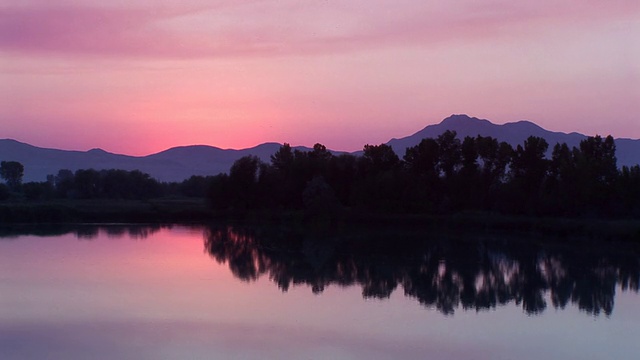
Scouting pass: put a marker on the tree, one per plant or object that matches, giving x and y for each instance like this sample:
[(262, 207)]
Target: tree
[(450, 153), (423, 190), (598, 159), (12, 172), (528, 172), (494, 157), (64, 184), (195, 186), (422, 159), (380, 158), (597, 170), (219, 194), (282, 160), (379, 186), (87, 183), (529, 162), (243, 181), (628, 191), (563, 181), (37, 190), (319, 159), (465, 191), (244, 171)]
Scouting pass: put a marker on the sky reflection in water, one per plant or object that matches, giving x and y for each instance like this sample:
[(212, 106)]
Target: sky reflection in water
[(168, 293)]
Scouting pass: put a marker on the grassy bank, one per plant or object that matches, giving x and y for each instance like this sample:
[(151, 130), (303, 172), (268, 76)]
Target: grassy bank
[(181, 210), (103, 211)]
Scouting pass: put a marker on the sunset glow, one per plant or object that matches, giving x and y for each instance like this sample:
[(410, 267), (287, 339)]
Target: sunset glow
[(137, 77)]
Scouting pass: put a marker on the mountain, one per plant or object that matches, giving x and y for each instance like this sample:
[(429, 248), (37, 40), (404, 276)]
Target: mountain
[(179, 163), (514, 133), (175, 164)]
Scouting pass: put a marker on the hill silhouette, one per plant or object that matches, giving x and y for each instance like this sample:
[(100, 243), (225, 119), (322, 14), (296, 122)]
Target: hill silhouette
[(179, 163), (513, 133), (174, 164)]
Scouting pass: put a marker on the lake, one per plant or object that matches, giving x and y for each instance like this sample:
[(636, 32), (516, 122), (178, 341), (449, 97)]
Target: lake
[(248, 292)]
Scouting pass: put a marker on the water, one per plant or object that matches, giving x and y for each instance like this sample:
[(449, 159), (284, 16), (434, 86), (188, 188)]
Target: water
[(230, 292)]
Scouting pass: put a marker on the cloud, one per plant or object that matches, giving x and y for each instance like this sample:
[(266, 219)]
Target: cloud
[(82, 30), (263, 28)]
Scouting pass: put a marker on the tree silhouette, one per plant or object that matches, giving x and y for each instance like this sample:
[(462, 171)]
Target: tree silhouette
[(494, 157), (243, 182), (379, 187), (450, 153), (597, 171), (423, 189), (282, 160), (12, 172), (284, 175), (319, 159), (440, 176), (380, 158), (628, 191), (528, 172)]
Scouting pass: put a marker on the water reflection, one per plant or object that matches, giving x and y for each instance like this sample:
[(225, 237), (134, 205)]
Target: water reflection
[(444, 272)]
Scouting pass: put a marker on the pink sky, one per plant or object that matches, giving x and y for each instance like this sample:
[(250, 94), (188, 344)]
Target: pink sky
[(140, 76)]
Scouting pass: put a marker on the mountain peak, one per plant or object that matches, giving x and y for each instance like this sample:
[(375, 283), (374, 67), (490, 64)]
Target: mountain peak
[(514, 133), (455, 118), (462, 119), (525, 124)]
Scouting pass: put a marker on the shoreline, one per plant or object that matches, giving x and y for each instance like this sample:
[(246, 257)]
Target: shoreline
[(196, 211)]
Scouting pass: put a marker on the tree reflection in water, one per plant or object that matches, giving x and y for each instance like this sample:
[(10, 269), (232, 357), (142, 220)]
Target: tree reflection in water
[(83, 232), (445, 272)]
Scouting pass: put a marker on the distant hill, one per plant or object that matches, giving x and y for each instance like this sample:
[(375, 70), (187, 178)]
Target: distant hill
[(179, 163), (514, 133), (175, 164)]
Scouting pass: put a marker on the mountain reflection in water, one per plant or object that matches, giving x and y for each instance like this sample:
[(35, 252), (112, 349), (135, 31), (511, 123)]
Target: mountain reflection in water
[(444, 272)]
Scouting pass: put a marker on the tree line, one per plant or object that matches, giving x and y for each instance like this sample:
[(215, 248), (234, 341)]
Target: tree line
[(439, 176), (96, 184)]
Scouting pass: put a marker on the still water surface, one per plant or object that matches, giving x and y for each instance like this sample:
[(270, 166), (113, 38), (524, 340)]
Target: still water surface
[(227, 292)]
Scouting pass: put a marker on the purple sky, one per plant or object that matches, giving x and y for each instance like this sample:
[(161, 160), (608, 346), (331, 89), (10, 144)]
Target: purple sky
[(139, 76)]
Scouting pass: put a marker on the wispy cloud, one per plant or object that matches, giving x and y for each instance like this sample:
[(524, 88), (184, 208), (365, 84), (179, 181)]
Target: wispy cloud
[(263, 28)]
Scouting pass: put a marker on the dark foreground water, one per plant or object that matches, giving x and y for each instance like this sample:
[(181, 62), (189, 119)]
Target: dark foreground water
[(231, 292)]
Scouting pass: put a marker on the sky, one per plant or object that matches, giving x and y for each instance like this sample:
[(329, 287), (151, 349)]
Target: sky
[(140, 76)]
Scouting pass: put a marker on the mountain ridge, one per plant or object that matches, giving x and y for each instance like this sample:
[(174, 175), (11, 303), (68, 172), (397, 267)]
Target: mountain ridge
[(181, 162), (514, 133)]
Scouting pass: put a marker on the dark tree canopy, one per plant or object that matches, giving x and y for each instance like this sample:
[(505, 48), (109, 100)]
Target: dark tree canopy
[(442, 175), (450, 151), (12, 172), (381, 157), (282, 160)]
